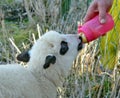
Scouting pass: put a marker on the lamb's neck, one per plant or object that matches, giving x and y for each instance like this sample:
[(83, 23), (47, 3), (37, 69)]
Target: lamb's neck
[(48, 86), (54, 76), (55, 79), (42, 76)]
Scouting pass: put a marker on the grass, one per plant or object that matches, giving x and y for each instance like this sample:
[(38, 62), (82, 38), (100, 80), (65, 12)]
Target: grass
[(88, 77), (86, 80)]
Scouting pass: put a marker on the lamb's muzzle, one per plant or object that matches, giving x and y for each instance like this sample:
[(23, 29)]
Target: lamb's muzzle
[(80, 44)]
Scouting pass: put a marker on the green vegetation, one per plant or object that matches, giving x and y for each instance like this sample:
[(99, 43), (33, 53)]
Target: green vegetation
[(95, 72)]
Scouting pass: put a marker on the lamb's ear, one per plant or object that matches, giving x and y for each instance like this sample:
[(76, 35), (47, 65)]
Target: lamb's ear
[(50, 59), (24, 56)]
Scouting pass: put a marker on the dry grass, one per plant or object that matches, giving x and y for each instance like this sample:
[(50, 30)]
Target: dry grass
[(88, 77)]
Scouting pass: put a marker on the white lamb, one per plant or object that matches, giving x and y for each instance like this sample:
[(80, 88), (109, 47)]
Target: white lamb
[(49, 62)]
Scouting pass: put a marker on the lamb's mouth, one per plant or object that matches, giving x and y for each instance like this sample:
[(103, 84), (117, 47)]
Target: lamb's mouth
[(80, 45)]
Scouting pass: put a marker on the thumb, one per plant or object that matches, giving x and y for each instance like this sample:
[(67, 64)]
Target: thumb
[(102, 13)]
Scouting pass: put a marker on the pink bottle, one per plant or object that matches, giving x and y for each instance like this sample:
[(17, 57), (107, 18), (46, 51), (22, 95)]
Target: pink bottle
[(94, 29)]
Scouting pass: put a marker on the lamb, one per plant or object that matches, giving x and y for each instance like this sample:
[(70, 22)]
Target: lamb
[(49, 62)]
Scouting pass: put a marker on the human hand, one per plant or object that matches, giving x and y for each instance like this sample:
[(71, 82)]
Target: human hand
[(100, 7)]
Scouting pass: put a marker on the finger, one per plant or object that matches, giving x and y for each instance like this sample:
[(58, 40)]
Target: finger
[(91, 12), (102, 12)]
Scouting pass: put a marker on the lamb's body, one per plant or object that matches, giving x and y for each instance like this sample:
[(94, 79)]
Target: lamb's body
[(50, 60), (21, 83), (18, 82)]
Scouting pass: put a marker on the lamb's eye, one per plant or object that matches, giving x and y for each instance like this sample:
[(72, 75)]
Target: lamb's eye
[(52, 45), (64, 47)]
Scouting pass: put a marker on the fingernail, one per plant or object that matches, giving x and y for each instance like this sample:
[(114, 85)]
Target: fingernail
[(102, 21)]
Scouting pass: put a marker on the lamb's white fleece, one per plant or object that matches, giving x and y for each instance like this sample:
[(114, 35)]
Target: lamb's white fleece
[(35, 81)]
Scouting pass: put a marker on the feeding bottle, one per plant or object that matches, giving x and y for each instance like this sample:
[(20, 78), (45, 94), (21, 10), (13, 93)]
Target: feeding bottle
[(93, 29)]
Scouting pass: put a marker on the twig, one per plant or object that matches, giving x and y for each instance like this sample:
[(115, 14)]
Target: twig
[(38, 29), (14, 45), (23, 45), (33, 35), (101, 87)]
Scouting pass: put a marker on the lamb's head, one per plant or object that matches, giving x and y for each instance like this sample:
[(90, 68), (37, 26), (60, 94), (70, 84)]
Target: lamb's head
[(53, 53)]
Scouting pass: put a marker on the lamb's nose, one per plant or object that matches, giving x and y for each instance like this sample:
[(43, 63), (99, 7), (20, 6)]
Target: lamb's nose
[(80, 38), (80, 44)]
